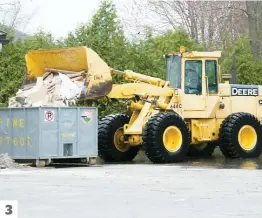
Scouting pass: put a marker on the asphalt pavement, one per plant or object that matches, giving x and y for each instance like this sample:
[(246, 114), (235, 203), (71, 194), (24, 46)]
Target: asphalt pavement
[(196, 188)]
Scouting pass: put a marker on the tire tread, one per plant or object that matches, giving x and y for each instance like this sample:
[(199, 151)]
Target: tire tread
[(226, 134), (150, 137), (106, 150)]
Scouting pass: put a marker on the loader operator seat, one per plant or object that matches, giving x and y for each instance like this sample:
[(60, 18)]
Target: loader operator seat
[(192, 81)]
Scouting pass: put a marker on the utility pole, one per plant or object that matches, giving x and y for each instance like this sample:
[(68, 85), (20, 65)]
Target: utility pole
[(234, 68)]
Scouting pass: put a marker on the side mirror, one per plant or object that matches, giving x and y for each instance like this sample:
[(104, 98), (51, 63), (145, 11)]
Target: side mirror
[(226, 78)]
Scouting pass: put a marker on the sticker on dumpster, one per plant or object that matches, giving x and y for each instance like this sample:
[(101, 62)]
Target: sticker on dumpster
[(49, 116), (86, 116)]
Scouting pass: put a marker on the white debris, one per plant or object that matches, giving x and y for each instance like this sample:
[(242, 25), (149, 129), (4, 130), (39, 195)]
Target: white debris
[(7, 162), (68, 88), (52, 89)]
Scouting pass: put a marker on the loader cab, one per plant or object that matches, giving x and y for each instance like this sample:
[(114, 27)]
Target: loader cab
[(193, 72), (196, 74)]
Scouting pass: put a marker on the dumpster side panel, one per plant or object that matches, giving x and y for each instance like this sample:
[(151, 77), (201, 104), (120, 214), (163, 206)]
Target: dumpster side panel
[(31, 132), (19, 132), (5, 134), (49, 132), (68, 132), (18, 135), (87, 131)]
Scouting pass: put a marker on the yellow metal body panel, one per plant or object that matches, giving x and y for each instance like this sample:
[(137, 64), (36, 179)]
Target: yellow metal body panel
[(193, 103), (201, 54), (244, 104), (240, 104), (212, 105), (204, 130), (233, 104), (222, 113)]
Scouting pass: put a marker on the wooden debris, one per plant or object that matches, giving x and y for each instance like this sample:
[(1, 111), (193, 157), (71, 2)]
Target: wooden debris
[(62, 71)]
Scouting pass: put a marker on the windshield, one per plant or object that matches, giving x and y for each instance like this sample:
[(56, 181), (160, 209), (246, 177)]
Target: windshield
[(173, 71)]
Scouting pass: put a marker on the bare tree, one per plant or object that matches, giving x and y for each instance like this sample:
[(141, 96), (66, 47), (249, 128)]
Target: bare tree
[(215, 24), (254, 12), (12, 15), (137, 18)]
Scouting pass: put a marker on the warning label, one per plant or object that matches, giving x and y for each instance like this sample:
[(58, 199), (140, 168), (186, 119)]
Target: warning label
[(49, 116)]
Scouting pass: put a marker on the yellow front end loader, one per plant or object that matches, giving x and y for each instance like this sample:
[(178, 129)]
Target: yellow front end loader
[(189, 113)]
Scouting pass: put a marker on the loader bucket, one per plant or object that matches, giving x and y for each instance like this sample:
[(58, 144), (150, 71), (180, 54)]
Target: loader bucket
[(98, 82)]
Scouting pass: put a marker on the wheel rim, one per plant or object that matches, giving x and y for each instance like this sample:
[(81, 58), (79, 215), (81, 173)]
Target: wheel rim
[(172, 139), (247, 137), (119, 140)]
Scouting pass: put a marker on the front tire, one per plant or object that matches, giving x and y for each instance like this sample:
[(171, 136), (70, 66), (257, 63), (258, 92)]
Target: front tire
[(111, 146), (166, 138), (240, 136)]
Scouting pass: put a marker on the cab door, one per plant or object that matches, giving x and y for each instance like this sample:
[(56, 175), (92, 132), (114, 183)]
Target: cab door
[(212, 88), (193, 98)]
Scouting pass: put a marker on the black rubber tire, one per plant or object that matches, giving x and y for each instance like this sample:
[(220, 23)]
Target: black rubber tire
[(106, 149), (228, 136), (195, 151), (153, 142)]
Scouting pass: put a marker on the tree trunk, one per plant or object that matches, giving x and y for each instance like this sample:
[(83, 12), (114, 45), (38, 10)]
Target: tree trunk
[(254, 9)]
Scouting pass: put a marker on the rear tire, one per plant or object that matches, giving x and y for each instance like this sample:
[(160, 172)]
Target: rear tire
[(240, 136), (107, 148), (166, 138)]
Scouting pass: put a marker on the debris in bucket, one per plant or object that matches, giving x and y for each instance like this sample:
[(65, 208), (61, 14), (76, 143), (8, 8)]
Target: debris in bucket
[(7, 162), (52, 89)]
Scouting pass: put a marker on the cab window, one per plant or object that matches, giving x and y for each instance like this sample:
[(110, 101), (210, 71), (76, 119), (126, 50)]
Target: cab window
[(211, 73), (193, 77), (173, 72)]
